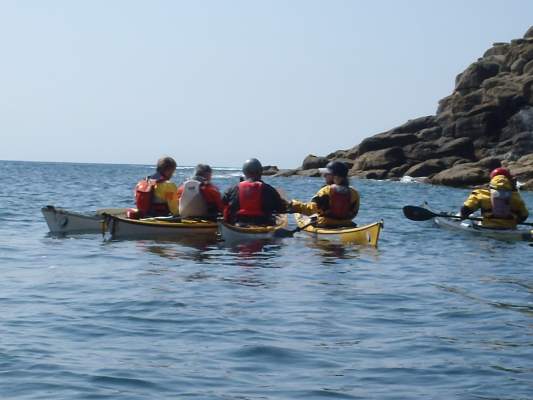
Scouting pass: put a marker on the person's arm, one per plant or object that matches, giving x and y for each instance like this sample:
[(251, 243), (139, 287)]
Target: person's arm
[(272, 201), (355, 201), (520, 209), (171, 196), (230, 202), (300, 207), (471, 204), (212, 197), (319, 203), (179, 193)]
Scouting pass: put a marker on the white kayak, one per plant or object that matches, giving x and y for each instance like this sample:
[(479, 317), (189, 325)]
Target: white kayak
[(475, 227), (245, 233), (522, 233), (61, 221)]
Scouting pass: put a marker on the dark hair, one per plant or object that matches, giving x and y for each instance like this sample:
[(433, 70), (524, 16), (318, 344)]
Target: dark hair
[(165, 163), (202, 170), (345, 181)]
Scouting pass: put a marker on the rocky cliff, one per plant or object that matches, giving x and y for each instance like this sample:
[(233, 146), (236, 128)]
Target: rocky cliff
[(485, 122)]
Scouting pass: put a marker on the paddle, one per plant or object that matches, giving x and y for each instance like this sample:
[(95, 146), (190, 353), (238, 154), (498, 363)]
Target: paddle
[(415, 213), (286, 233)]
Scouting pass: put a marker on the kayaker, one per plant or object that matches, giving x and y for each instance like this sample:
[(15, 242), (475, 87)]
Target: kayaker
[(252, 201), (198, 197), (336, 203), (501, 205), (156, 195)]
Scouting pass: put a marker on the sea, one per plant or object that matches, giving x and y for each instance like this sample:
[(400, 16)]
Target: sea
[(429, 314)]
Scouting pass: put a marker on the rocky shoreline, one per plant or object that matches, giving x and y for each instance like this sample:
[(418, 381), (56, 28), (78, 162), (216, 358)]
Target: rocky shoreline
[(486, 122)]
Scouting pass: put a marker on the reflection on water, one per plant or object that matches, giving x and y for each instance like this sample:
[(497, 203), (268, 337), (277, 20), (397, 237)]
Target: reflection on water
[(295, 318), (184, 249), (336, 253)]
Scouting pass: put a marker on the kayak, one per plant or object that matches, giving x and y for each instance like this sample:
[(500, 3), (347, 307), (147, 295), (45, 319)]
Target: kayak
[(236, 233), (61, 221), (474, 227), (160, 227), (364, 235)]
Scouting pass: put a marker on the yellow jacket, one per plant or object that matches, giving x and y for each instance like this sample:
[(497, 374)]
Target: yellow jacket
[(167, 192), (481, 199), (320, 204)]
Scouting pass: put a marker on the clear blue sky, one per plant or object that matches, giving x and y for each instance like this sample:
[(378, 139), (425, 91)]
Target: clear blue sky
[(221, 81)]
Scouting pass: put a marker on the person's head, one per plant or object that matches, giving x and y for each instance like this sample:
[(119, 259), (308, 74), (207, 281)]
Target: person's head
[(203, 171), (501, 171), (335, 172), (252, 168), (501, 182), (166, 167)]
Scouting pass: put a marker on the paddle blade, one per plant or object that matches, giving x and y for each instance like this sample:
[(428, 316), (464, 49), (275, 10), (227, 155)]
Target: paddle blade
[(415, 213)]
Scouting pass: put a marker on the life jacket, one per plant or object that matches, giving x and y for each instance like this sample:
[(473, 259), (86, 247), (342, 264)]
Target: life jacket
[(500, 201), (192, 202), (340, 202), (145, 201), (250, 199)]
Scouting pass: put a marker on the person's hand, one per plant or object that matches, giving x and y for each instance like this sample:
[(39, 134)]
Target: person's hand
[(465, 213), (290, 208)]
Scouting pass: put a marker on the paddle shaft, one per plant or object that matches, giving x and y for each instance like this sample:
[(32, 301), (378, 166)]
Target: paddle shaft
[(421, 214), (475, 218)]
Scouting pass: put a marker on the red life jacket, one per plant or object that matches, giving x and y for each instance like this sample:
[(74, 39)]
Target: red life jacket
[(250, 199), (144, 199), (340, 202)]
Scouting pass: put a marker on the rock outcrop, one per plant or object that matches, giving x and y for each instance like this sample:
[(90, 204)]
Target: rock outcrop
[(487, 121)]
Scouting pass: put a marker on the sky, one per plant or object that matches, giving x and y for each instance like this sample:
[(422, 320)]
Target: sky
[(217, 82)]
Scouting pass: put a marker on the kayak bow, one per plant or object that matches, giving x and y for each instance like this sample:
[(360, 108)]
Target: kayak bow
[(61, 221)]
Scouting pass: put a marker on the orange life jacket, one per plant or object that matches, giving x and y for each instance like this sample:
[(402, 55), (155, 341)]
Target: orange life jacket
[(250, 199), (144, 199)]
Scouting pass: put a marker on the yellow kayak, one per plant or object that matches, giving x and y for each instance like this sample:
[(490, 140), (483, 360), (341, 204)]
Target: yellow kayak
[(364, 235), (236, 233)]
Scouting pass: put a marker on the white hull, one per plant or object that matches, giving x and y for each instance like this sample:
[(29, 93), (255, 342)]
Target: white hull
[(235, 234), (66, 222), (474, 228)]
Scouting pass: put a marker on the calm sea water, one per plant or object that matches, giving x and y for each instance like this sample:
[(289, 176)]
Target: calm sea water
[(429, 315)]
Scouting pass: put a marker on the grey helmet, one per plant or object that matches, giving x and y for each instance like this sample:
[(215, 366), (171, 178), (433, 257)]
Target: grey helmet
[(252, 168)]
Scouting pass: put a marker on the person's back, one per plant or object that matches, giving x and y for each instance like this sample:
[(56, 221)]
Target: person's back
[(501, 205), (197, 197), (336, 203), (156, 195), (252, 201)]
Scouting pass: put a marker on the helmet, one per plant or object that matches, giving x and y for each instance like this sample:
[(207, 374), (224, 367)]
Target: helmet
[(500, 171), (252, 168), (335, 168)]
